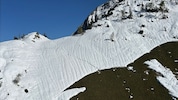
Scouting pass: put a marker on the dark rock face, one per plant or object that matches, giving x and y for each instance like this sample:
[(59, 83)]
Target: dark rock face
[(81, 29), (88, 23)]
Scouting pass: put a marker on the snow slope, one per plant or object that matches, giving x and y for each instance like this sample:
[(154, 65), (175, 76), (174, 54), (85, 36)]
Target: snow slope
[(36, 68), (168, 79)]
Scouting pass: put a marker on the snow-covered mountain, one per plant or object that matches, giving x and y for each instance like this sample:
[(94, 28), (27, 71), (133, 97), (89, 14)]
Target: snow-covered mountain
[(114, 35)]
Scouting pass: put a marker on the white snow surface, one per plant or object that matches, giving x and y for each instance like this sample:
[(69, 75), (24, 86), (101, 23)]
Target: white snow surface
[(66, 95), (46, 68), (167, 79)]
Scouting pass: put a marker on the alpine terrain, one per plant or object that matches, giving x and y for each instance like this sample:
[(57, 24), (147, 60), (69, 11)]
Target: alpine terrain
[(125, 49)]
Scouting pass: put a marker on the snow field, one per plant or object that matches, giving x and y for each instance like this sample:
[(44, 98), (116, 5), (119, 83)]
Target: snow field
[(46, 68)]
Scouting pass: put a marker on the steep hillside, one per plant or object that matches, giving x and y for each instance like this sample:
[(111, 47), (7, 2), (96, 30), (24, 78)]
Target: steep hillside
[(116, 34), (136, 81), (122, 10)]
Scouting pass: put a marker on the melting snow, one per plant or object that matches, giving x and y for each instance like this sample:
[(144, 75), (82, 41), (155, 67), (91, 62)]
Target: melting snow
[(66, 95), (176, 61), (168, 79)]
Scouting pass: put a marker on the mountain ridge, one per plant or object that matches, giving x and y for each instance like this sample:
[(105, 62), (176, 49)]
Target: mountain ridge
[(127, 9), (36, 68)]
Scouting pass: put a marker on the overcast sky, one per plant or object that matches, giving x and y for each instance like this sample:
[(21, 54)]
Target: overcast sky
[(56, 18)]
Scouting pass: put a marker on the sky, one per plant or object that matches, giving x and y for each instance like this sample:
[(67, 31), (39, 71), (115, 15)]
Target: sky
[(55, 18)]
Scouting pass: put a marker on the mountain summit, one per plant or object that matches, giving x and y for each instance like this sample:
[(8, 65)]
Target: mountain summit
[(122, 10), (116, 34)]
